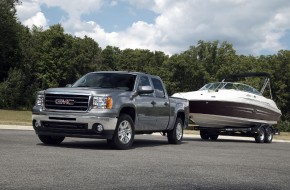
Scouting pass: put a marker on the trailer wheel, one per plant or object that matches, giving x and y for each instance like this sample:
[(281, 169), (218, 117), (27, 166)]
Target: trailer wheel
[(260, 136), (175, 135), (268, 135), (204, 135)]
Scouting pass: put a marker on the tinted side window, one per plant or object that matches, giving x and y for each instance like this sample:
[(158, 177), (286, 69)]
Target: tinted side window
[(144, 81), (158, 87)]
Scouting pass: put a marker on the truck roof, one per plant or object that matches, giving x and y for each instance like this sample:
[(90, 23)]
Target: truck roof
[(124, 72)]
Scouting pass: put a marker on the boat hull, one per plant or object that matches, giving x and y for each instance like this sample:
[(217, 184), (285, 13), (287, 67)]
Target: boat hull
[(230, 114)]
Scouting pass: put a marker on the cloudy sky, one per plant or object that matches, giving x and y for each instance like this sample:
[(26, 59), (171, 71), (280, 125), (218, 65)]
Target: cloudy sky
[(254, 27)]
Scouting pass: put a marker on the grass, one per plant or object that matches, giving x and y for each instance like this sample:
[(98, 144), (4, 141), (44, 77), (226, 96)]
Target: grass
[(12, 117), (283, 136)]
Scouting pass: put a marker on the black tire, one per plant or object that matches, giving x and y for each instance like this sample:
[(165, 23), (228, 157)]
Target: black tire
[(214, 137), (260, 136), (51, 140), (124, 134), (175, 135), (204, 135), (110, 142), (268, 135)]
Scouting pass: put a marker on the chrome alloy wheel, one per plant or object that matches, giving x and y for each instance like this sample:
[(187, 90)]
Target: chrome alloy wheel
[(125, 132), (179, 131)]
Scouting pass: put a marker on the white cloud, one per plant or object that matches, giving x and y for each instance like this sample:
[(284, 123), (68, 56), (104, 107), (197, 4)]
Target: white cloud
[(38, 20), (30, 10), (75, 9), (30, 14), (114, 3), (27, 9), (98, 34), (273, 31), (251, 26)]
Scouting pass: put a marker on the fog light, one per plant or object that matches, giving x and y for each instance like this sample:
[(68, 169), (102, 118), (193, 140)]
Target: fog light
[(98, 127)]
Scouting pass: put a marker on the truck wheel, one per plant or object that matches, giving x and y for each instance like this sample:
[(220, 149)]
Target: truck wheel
[(268, 135), (124, 134), (260, 136), (204, 135), (175, 135), (51, 140)]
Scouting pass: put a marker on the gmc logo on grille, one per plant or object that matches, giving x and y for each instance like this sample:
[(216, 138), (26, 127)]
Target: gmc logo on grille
[(64, 101)]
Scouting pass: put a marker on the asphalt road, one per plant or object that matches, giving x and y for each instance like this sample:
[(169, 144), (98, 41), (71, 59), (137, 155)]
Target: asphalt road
[(151, 164)]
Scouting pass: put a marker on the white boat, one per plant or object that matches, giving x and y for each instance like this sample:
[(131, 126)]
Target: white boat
[(231, 104)]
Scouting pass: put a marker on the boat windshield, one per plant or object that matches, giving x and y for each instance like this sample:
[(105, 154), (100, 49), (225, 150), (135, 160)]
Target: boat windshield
[(230, 86)]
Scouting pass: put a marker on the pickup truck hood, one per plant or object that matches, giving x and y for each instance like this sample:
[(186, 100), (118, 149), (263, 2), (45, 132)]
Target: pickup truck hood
[(83, 90)]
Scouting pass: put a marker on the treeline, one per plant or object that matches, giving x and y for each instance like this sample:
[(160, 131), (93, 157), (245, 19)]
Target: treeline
[(31, 60)]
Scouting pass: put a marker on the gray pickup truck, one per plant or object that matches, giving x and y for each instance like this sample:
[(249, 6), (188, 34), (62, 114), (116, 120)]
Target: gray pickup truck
[(111, 105)]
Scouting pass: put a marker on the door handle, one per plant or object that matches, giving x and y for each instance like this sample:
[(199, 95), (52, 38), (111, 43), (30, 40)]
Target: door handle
[(153, 103), (166, 104)]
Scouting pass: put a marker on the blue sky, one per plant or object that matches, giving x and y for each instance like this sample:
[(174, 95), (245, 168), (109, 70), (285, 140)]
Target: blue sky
[(285, 40), (54, 15), (120, 17), (111, 18), (253, 27)]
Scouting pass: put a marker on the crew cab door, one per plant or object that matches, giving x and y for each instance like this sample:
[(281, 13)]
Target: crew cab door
[(161, 104), (145, 107)]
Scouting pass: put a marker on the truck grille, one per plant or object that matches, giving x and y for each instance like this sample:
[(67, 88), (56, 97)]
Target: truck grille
[(67, 102)]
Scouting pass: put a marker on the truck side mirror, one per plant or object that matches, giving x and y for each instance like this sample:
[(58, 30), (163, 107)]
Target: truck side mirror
[(145, 90)]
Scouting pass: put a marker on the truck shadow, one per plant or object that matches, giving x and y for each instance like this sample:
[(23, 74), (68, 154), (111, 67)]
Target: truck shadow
[(98, 144), (219, 140), (138, 143), (83, 144)]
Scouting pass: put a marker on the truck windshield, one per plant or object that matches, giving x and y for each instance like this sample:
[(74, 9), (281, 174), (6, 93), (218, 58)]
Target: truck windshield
[(107, 80)]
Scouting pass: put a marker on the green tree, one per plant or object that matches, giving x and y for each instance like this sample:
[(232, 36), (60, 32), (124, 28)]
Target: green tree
[(280, 67), (83, 56), (9, 41), (61, 58), (11, 90), (134, 60), (155, 63), (110, 57)]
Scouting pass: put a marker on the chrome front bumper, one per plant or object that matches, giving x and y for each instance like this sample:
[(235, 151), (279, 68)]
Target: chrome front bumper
[(73, 125)]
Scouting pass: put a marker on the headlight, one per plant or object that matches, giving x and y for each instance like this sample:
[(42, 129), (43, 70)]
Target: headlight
[(103, 102), (39, 100)]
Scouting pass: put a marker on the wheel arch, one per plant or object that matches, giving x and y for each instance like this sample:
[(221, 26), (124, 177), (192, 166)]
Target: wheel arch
[(181, 115), (130, 111)]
